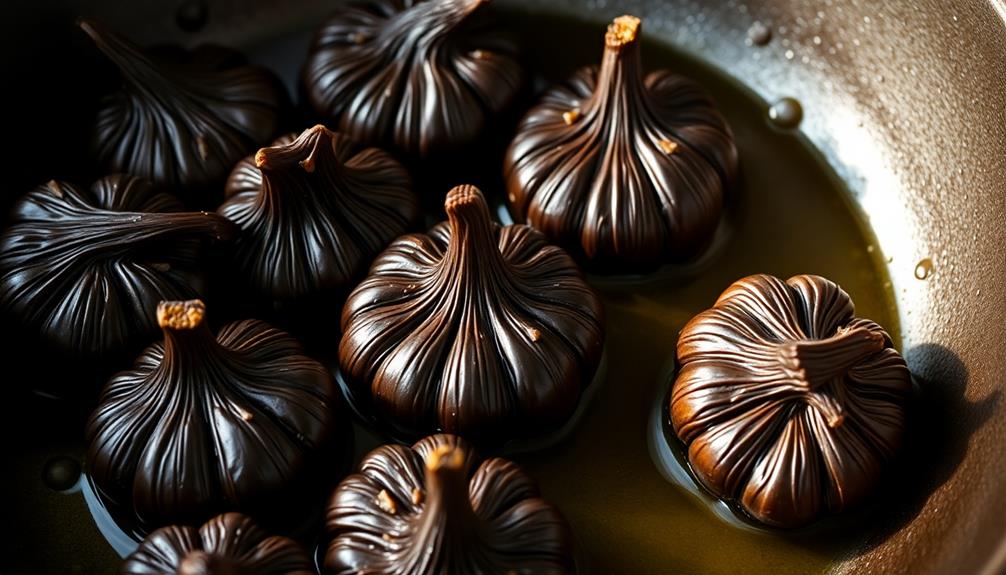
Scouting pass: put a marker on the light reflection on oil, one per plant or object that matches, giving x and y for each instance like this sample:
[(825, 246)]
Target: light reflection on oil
[(879, 191)]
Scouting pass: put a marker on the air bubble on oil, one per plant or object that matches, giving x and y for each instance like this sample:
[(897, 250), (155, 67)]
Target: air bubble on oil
[(924, 269), (61, 473), (786, 113)]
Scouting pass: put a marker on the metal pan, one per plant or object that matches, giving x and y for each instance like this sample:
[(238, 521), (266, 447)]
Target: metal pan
[(905, 101)]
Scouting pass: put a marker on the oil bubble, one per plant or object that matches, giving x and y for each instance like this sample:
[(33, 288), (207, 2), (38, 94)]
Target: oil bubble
[(924, 269), (786, 113), (60, 473)]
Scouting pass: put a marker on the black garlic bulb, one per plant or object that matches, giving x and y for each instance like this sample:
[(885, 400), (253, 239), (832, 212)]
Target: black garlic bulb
[(473, 328), (789, 404), (438, 508), (228, 544), (626, 171), (314, 212), (183, 122), (411, 75), (83, 269), (203, 424)]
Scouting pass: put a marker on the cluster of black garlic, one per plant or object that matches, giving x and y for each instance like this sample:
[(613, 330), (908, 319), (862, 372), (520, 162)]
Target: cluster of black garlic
[(472, 333)]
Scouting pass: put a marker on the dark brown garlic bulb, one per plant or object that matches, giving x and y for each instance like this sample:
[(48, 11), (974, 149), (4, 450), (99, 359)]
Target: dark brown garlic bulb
[(314, 212), (788, 403), (183, 125), (475, 329), (203, 424), (412, 74), (433, 508), (626, 172), (228, 544), (84, 269)]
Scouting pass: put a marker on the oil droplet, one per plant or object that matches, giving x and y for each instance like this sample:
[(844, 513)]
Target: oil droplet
[(759, 34), (60, 473), (786, 113), (923, 269)]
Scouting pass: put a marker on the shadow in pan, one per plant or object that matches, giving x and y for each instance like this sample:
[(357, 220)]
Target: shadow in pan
[(941, 422), (940, 425)]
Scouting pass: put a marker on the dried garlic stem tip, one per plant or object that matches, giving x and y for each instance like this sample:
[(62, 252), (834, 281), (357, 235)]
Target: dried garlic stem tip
[(311, 140), (181, 314), (813, 363), (463, 196), (622, 31), (261, 157)]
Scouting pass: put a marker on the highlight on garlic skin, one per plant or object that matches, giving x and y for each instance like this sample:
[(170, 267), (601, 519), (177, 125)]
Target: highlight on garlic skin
[(314, 210), (82, 269), (473, 328), (421, 78), (239, 420), (627, 171), (436, 507), (182, 119), (789, 406), (229, 543)]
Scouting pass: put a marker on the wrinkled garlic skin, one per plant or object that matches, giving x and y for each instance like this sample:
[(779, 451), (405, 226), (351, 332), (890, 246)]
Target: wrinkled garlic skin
[(416, 76), (228, 544), (434, 508), (203, 424), (788, 403), (183, 125), (473, 328), (84, 268), (314, 211), (626, 172)]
